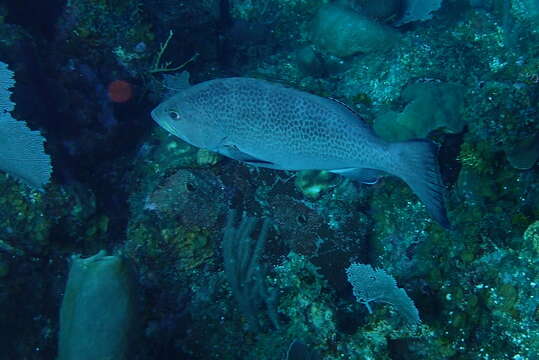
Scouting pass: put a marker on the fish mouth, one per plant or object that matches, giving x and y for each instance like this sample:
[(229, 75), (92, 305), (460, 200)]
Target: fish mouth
[(166, 126), (157, 117), (155, 114)]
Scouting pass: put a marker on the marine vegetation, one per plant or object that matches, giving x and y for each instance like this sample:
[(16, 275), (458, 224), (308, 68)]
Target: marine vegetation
[(269, 179)]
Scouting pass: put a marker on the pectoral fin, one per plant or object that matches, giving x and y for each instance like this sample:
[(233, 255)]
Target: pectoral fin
[(363, 175), (234, 152)]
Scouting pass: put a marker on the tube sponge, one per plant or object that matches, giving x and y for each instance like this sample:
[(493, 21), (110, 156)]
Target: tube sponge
[(97, 313)]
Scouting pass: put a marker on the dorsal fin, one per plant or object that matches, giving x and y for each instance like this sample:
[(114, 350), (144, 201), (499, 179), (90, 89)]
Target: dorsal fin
[(346, 106)]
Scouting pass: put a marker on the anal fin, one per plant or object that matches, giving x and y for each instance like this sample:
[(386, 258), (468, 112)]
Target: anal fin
[(362, 175)]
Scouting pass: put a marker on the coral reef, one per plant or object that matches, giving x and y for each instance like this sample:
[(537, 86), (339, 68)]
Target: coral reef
[(467, 79)]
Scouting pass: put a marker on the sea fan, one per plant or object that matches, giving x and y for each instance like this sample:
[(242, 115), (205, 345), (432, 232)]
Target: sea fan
[(22, 153)]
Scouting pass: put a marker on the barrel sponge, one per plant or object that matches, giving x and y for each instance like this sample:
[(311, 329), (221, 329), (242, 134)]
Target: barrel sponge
[(22, 153), (431, 105), (342, 32), (97, 313)]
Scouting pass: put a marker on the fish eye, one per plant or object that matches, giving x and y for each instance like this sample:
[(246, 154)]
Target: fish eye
[(174, 115)]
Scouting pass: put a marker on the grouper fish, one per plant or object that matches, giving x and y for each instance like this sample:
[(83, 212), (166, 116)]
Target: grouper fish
[(270, 125)]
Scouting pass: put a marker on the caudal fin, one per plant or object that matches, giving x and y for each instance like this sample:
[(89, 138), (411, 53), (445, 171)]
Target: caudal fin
[(417, 165)]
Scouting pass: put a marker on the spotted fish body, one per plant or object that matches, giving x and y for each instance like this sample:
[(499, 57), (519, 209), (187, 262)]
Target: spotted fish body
[(269, 125)]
